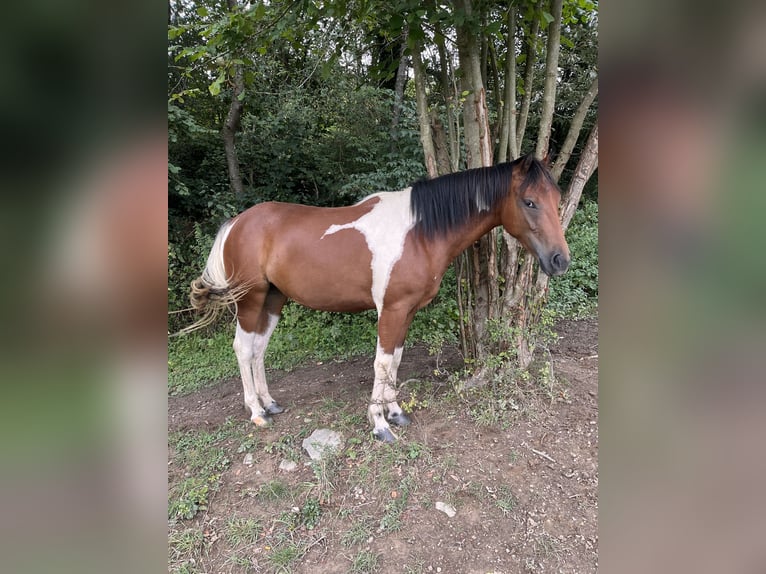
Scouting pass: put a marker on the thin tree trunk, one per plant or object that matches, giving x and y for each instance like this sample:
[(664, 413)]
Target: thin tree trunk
[(508, 121), (480, 262), (401, 80), (583, 172), (232, 122), (574, 130), (529, 76), (551, 71), (536, 295), (449, 94), (423, 116)]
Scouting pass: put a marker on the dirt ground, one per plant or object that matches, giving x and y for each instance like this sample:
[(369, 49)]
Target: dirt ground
[(523, 484)]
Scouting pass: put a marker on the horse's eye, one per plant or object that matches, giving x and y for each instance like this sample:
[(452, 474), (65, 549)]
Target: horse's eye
[(530, 204)]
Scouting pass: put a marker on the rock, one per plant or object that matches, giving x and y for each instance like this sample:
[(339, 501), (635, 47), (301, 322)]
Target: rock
[(447, 509), (288, 465), (248, 461), (322, 441)]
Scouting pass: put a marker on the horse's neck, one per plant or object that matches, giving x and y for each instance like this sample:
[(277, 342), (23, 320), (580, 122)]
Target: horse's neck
[(468, 234)]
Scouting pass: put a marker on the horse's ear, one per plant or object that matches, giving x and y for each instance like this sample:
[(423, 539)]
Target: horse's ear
[(550, 155)]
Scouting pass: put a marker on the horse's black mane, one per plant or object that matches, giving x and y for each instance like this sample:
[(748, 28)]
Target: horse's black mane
[(442, 204)]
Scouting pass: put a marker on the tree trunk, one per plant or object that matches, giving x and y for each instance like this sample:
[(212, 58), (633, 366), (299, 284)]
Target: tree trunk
[(529, 77), (423, 115), (479, 265), (401, 81), (535, 295), (574, 130), (232, 121), (551, 71), (449, 94), (583, 172), (508, 117)]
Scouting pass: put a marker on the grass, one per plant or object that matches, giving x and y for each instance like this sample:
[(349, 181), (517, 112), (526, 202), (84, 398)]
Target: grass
[(359, 532), (365, 562), (242, 530), (202, 456), (198, 360)]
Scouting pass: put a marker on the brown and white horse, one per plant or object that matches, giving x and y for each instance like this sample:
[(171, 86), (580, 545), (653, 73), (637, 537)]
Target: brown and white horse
[(387, 252)]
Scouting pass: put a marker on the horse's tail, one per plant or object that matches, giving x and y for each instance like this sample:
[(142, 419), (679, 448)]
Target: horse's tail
[(214, 291)]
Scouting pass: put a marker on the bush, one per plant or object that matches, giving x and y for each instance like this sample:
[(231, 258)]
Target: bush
[(575, 294)]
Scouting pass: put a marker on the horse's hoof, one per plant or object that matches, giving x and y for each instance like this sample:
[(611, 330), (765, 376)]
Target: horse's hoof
[(384, 435), (274, 409), (263, 420), (399, 419)]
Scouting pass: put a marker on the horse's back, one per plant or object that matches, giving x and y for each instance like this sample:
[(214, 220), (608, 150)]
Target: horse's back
[(287, 245)]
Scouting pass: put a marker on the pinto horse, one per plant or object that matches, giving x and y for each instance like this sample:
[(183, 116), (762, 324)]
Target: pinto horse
[(388, 252)]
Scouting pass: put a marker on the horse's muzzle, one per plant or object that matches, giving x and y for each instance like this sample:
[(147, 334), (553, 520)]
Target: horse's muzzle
[(556, 264)]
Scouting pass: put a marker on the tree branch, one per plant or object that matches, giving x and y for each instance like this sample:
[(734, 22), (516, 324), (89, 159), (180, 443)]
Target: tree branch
[(574, 130)]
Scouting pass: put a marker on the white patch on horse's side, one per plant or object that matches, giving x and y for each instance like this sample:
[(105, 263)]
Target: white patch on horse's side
[(481, 204), (215, 271), (385, 229)]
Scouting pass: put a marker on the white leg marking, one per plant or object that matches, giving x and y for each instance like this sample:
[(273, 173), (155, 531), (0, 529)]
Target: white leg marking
[(243, 347), (385, 229), (260, 342), (392, 406), (383, 363)]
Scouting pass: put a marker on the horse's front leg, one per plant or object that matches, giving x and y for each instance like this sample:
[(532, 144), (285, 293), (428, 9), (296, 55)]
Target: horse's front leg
[(392, 329), (383, 394)]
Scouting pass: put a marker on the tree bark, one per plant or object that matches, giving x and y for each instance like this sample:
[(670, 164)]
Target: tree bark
[(529, 77), (479, 264), (423, 115), (534, 296), (574, 130), (551, 71), (508, 118), (583, 172), (449, 94), (401, 80), (232, 122)]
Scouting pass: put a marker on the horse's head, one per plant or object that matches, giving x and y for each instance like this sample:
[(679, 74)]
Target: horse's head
[(531, 214)]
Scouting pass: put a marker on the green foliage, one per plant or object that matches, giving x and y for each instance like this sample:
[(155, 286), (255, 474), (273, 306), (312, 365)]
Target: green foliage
[(198, 359), (575, 294)]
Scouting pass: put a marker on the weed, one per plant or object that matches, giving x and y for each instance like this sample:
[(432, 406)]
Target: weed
[(274, 490), (325, 475), (365, 562), (187, 498), (505, 500), (283, 556), (310, 513), (358, 533), (184, 549), (242, 531), (391, 520)]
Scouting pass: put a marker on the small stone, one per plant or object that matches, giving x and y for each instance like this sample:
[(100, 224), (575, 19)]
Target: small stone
[(288, 465), (248, 461), (447, 509), (321, 441)]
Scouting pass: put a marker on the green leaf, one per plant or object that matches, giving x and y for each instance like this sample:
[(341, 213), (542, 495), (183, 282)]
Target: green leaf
[(215, 87), (202, 11), (548, 17)]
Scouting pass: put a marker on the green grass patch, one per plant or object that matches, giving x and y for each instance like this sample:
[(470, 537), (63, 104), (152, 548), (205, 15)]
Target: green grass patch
[(365, 562), (200, 359), (203, 456)]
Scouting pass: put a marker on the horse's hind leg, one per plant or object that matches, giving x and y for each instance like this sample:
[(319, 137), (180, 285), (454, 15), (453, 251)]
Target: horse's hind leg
[(270, 314), (257, 316)]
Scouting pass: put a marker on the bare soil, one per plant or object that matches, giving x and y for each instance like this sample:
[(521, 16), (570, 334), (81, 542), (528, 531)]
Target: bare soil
[(524, 486)]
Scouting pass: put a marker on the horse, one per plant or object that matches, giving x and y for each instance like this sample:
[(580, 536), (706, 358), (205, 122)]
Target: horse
[(387, 252)]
